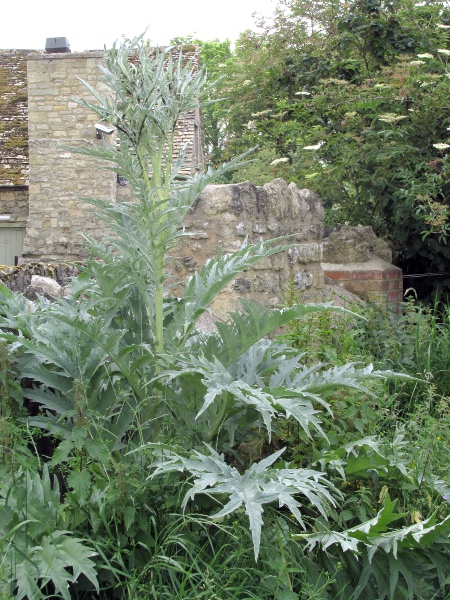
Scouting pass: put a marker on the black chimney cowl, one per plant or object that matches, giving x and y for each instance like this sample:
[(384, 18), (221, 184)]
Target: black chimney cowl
[(57, 45)]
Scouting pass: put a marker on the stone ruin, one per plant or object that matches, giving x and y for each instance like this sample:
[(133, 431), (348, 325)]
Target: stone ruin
[(53, 219), (354, 245), (352, 263), (225, 217)]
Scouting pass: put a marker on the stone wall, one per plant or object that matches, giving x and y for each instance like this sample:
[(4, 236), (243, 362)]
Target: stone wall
[(14, 202), (224, 216), (18, 278), (58, 177)]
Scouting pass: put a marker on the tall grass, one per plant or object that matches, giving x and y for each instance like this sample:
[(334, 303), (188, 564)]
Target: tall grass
[(418, 343)]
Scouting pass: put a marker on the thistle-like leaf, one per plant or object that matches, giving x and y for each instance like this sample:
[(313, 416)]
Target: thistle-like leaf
[(257, 486), (375, 534), (346, 376), (251, 324)]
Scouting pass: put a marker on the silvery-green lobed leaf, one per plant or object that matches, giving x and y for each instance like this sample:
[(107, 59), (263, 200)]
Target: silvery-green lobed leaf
[(344, 376), (375, 534), (252, 323), (257, 486)]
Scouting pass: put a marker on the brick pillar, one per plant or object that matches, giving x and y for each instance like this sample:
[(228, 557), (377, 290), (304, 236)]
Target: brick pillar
[(375, 281)]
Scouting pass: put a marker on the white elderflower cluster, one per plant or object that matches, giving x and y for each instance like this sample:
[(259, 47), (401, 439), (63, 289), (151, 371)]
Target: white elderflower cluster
[(279, 161), (417, 62), (391, 118), (442, 146), (302, 93), (262, 113), (425, 55), (315, 147), (444, 51)]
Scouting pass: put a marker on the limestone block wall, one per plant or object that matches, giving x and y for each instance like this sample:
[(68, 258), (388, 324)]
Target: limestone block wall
[(224, 216), (14, 202), (18, 278), (58, 177)]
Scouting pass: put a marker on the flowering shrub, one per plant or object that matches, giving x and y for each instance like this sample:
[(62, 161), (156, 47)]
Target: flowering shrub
[(358, 104)]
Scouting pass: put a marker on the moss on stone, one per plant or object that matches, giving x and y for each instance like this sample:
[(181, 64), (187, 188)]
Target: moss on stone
[(13, 118)]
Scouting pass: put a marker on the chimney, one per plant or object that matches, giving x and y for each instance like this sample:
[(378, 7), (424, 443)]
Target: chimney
[(57, 45)]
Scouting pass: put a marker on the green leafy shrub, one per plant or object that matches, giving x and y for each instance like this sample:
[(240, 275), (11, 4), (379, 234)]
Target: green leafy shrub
[(404, 454), (349, 100)]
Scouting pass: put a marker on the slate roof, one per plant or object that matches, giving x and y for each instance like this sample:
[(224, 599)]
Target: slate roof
[(13, 118)]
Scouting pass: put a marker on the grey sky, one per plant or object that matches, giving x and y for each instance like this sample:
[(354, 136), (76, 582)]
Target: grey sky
[(91, 24)]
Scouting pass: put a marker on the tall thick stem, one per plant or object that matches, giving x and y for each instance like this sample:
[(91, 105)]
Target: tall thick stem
[(143, 163), (159, 299), (160, 184)]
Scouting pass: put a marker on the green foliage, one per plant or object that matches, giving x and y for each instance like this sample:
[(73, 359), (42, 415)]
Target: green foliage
[(35, 550), (416, 341), (408, 461), (327, 337), (148, 417), (391, 569), (14, 437), (351, 101)]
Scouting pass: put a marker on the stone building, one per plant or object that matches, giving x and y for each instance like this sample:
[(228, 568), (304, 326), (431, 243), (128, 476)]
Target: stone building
[(41, 216), (41, 184)]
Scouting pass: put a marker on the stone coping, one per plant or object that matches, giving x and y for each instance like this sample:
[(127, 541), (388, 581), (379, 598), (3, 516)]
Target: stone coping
[(374, 264), (41, 54)]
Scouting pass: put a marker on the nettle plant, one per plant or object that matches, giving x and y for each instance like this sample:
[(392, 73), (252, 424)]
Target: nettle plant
[(129, 387)]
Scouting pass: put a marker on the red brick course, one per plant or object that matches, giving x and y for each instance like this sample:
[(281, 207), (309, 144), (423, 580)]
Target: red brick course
[(367, 275), (395, 297), (397, 274), (381, 286), (338, 275), (357, 287)]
